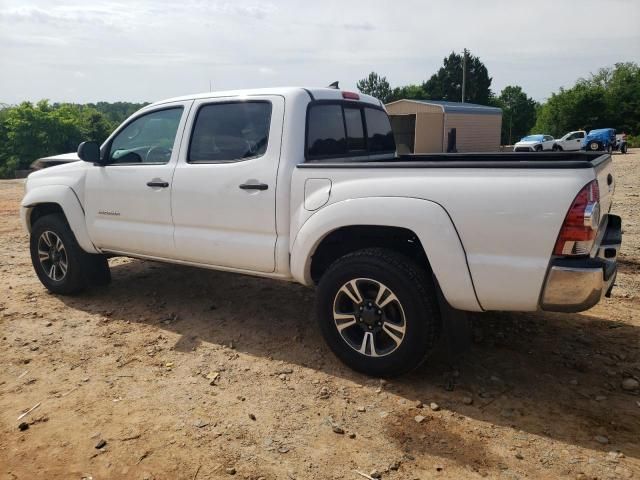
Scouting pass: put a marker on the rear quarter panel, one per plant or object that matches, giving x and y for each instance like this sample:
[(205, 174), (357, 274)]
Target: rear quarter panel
[(507, 219)]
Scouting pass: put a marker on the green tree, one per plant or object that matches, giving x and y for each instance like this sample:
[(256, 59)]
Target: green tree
[(376, 86), (116, 112), (29, 132), (409, 92), (608, 98), (446, 84), (518, 113), (581, 107)]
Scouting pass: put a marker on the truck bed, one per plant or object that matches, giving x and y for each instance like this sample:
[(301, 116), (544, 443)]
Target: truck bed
[(538, 160)]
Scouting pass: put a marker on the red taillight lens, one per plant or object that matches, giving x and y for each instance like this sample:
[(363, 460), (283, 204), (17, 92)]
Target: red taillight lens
[(580, 226), (350, 96)]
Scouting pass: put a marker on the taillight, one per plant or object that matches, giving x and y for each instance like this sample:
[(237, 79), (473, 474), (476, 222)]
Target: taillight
[(580, 226)]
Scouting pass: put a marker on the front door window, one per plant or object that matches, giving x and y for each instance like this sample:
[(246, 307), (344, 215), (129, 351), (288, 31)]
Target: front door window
[(147, 139)]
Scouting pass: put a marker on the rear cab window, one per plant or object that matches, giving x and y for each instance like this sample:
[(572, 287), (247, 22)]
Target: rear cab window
[(347, 130)]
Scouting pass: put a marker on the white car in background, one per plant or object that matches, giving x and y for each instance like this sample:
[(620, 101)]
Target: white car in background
[(571, 141), (534, 143)]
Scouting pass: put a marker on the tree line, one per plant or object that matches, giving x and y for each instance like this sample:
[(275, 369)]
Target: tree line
[(30, 131), (608, 98)]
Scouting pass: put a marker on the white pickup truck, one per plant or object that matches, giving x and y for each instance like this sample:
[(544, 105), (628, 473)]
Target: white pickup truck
[(304, 184)]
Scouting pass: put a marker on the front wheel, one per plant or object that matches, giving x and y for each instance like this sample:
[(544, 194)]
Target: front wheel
[(623, 148), (60, 263), (378, 312), (593, 146)]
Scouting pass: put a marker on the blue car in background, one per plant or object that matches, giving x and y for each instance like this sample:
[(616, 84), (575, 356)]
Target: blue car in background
[(599, 140)]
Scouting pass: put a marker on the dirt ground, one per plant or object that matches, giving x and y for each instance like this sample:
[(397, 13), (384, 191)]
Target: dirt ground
[(193, 374)]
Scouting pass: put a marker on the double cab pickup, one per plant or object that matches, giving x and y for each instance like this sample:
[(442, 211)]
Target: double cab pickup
[(304, 185)]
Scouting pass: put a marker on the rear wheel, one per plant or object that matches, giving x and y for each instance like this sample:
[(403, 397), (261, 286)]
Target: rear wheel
[(623, 148), (593, 146), (60, 263), (378, 312)]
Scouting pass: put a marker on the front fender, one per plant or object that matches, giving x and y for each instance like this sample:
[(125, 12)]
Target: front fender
[(428, 220), (68, 201)]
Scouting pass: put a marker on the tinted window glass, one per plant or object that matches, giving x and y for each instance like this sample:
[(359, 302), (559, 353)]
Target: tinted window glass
[(379, 131), (227, 132), (325, 134), (147, 139), (355, 129)]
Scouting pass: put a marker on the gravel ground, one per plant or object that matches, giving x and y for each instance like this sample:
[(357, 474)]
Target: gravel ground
[(181, 373)]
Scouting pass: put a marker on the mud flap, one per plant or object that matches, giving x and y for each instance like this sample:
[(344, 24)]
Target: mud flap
[(457, 329)]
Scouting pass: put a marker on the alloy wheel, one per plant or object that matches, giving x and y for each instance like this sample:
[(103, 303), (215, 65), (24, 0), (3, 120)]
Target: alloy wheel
[(53, 256), (369, 317)]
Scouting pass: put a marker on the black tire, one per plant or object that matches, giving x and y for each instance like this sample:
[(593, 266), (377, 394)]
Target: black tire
[(623, 149), (416, 302), (609, 148), (538, 148), (75, 269), (556, 148), (593, 146)]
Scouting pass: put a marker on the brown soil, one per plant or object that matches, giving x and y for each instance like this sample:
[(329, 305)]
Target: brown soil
[(132, 364)]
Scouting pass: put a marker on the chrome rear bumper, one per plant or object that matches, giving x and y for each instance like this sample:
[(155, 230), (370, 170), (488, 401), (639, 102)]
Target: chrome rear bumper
[(574, 285)]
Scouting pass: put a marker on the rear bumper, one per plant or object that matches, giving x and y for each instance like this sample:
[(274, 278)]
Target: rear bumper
[(574, 285)]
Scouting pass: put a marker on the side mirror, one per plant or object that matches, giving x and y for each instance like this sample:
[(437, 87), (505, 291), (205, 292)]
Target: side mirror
[(89, 152)]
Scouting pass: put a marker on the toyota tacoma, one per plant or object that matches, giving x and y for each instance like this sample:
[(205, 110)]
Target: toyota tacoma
[(305, 185)]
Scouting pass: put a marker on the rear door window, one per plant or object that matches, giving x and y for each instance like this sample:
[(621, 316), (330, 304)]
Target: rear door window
[(230, 132)]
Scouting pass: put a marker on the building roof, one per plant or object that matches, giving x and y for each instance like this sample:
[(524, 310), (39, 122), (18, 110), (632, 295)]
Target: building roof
[(457, 107)]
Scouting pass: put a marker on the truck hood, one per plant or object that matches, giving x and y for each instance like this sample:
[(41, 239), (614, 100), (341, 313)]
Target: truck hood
[(70, 174)]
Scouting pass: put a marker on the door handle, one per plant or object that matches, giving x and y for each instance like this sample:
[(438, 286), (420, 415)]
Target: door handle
[(254, 186), (157, 183)]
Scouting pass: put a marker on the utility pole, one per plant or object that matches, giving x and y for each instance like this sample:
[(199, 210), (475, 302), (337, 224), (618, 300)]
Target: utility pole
[(464, 72)]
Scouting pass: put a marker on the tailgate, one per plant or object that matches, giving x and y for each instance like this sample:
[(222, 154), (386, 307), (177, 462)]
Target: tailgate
[(606, 183)]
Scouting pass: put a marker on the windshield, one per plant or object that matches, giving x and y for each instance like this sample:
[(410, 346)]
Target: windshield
[(532, 138)]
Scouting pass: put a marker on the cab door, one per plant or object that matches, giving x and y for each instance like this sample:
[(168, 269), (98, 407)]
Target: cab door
[(224, 187), (128, 199)]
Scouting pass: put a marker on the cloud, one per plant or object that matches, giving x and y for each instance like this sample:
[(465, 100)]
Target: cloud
[(152, 49), (20, 41), (362, 26)]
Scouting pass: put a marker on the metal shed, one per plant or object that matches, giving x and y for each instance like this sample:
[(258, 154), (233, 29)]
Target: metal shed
[(425, 126)]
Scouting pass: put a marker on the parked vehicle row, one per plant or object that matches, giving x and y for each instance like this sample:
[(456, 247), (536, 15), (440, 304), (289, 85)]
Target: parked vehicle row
[(599, 140)]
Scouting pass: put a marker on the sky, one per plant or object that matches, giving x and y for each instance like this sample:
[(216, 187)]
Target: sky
[(92, 50)]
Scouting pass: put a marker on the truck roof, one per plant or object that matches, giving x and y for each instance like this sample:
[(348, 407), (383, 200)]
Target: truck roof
[(314, 93)]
